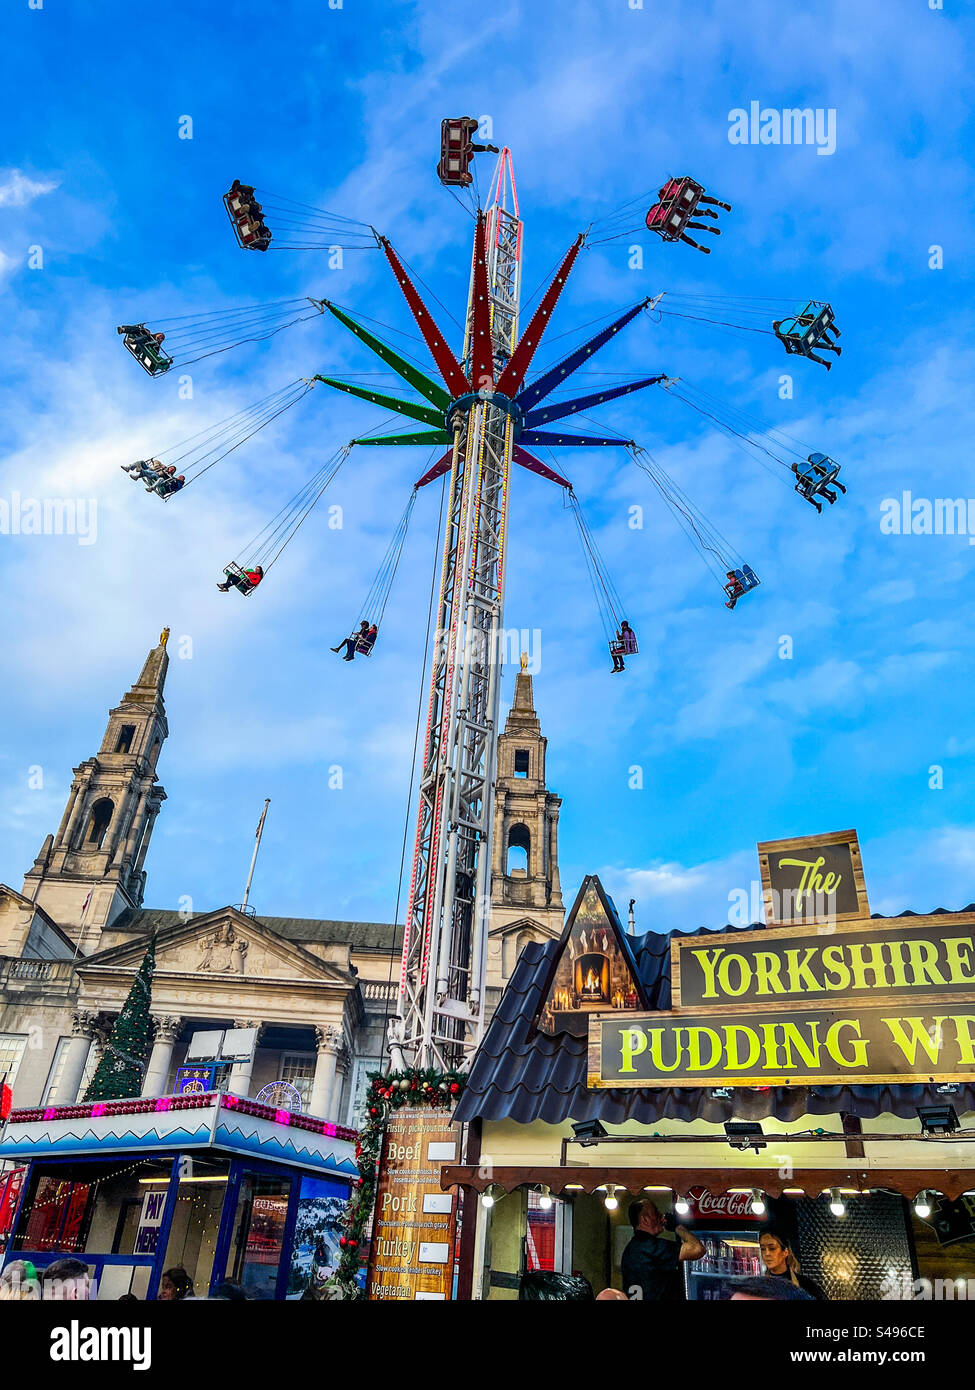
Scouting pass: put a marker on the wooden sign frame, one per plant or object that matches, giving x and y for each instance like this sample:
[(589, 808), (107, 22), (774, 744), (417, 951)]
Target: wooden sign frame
[(767, 848), (876, 926)]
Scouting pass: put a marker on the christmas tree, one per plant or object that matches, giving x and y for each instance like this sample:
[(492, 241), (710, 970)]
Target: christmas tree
[(122, 1065)]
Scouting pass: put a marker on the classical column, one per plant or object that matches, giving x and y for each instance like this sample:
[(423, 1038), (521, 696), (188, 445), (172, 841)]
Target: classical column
[(84, 1025), (165, 1031), (328, 1042), (68, 810), (240, 1073)]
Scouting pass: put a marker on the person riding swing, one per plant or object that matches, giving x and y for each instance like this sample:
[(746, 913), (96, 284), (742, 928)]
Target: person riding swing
[(623, 645), (244, 580), (361, 641)]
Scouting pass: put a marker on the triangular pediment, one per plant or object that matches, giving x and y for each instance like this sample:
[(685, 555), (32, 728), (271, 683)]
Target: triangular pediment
[(225, 945), (523, 924), (594, 970)]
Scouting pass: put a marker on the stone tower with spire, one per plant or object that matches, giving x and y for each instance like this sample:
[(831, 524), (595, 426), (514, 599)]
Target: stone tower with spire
[(526, 895), (92, 869)]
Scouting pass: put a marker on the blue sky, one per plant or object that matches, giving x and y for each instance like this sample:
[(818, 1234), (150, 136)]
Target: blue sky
[(341, 109)]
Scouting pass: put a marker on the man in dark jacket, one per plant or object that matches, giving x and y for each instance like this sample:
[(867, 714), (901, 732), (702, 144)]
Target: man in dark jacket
[(651, 1265)]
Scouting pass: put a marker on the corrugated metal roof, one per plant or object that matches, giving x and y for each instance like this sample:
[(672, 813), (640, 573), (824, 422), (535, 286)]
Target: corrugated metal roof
[(521, 1075)]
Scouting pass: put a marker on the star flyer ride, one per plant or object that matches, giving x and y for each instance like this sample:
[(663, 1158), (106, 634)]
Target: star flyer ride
[(484, 411)]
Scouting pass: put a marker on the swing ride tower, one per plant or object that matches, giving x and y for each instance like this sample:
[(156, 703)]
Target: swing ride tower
[(441, 997), (484, 411)]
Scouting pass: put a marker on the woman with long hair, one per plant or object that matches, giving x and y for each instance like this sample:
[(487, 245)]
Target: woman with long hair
[(781, 1262)]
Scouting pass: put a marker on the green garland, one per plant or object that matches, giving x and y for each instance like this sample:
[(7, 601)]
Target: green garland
[(387, 1091)]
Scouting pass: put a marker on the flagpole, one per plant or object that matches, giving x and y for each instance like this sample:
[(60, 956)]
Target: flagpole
[(257, 845)]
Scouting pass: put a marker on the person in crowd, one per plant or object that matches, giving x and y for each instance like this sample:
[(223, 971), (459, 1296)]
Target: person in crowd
[(781, 1262), (241, 581), (175, 1285), (758, 1288), (67, 1278), (605, 1295), (19, 1282), (546, 1286), (651, 1265), (127, 1298), (351, 643)]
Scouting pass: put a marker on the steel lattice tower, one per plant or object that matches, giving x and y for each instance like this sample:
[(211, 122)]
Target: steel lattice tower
[(445, 944)]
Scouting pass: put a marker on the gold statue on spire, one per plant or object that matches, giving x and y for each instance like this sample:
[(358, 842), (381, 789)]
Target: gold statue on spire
[(524, 661), (164, 636)]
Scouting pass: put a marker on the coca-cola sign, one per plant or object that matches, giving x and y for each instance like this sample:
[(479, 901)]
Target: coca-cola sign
[(721, 1206)]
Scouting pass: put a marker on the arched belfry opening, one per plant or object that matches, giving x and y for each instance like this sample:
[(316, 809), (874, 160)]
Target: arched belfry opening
[(98, 822), (518, 853)]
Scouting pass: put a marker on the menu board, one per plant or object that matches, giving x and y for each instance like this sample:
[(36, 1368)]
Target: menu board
[(413, 1234)]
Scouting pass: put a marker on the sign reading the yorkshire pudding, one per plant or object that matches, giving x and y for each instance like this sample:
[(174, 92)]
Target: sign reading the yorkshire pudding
[(836, 997), (896, 958), (816, 878), (841, 1044)]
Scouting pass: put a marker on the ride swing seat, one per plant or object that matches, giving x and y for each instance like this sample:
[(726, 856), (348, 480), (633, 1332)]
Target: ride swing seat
[(740, 582), (147, 349), (802, 332), (238, 579), (246, 217), (818, 473), (457, 151), (630, 648), (363, 647), (680, 199)]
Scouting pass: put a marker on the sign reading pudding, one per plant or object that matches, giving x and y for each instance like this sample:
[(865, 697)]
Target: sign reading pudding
[(840, 1044), (816, 878)]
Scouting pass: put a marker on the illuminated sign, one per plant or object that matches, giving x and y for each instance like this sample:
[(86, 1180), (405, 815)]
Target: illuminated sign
[(845, 1043), (594, 968), (815, 878), (282, 1095), (897, 958)]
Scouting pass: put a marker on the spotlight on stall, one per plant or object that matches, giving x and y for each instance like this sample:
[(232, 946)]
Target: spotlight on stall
[(721, 1092), (836, 1204), (745, 1134), (922, 1206), (544, 1198), (682, 1206), (937, 1119), (758, 1206), (610, 1201), (589, 1132)]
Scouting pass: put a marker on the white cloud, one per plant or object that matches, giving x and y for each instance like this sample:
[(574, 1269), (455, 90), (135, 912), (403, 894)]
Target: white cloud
[(17, 190)]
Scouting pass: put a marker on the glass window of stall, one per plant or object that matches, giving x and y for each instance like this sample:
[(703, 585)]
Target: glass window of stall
[(195, 1226), (258, 1234)]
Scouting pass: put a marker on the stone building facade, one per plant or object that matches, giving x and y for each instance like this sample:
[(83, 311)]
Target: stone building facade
[(318, 991)]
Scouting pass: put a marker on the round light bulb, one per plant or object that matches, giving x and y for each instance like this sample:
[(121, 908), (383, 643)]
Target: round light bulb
[(922, 1207), (682, 1206), (611, 1202), (487, 1200), (545, 1201), (838, 1208)]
